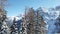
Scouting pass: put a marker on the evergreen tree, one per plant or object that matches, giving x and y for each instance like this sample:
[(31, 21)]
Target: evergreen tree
[(4, 29), (35, 23), (14, 28), (30, 20)]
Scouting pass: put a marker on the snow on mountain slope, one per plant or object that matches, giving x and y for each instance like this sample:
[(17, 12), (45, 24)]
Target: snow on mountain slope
[(11, 18), (50, 16), (49, 13)]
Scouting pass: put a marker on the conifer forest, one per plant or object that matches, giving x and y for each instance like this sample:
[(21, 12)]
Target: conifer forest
[(29, 16)]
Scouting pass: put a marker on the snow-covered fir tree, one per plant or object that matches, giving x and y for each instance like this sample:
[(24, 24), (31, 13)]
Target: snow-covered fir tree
[(14, 29), (23, 29), (4, 29)]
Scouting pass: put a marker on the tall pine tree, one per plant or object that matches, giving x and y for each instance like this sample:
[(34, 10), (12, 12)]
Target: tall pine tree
[(14, 28)]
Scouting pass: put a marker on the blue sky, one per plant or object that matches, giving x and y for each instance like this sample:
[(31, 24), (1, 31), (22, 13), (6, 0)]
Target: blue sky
[(17, 6)]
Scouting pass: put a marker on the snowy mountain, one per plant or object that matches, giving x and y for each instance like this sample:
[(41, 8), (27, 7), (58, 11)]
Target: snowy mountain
[(11, 18), (50, 15)]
